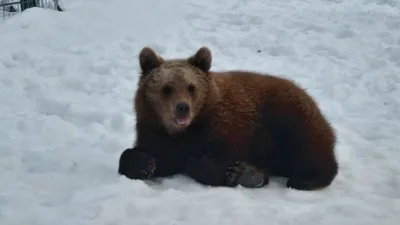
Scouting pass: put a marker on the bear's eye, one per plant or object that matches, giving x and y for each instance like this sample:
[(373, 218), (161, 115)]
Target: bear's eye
[(167, 90), (191, 88)]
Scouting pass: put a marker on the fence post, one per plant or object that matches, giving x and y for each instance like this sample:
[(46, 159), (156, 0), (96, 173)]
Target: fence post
[(26, 4), (57, 6)]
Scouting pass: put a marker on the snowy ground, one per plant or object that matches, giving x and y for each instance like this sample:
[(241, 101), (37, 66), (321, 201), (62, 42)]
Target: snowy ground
[(67, 80)]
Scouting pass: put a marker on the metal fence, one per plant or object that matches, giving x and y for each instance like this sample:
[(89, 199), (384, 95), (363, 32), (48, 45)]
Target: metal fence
[(9, 8)]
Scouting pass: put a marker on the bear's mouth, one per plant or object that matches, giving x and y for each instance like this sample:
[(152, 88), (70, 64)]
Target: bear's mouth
[(184, 121)]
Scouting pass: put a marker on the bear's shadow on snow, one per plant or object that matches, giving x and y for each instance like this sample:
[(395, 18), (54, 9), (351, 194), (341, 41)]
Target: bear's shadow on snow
[(184, 183)]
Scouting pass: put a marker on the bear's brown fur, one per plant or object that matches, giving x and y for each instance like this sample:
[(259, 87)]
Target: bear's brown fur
[(226, 128)]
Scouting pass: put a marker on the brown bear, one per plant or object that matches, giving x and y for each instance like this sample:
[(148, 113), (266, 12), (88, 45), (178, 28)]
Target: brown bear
[(226, 128)]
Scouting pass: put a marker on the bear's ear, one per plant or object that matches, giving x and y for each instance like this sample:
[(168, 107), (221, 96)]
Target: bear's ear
[(202, 59), (149, 60)]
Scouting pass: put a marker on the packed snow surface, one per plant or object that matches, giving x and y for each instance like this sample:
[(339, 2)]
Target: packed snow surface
[(66, 85)]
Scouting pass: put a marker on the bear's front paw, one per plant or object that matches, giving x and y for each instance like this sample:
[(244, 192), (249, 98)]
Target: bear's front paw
[(244, 174), (137, 165)]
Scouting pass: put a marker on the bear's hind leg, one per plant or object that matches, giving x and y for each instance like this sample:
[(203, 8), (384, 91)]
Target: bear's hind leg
[(313, 176), (313, 161), (303, 141)]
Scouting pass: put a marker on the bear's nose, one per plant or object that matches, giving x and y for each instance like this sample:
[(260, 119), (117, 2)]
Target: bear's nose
[(182, 109)]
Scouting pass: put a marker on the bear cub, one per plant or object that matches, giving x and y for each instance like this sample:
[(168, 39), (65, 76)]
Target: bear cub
[(226, 128)]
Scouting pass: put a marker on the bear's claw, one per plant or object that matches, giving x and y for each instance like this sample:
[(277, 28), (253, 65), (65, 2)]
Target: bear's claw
[(147, 173), (244, 174)]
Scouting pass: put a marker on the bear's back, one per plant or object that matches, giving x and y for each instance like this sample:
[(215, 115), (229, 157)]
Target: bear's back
[(251, 106)]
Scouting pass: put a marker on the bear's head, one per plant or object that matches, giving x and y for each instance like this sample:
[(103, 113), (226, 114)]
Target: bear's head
[(173, 92)]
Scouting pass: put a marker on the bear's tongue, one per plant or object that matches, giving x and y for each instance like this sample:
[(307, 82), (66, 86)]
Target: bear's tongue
[(183, 121)]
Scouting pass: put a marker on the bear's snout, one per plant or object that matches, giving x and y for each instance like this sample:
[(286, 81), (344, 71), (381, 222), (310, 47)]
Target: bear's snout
[(182, 110)]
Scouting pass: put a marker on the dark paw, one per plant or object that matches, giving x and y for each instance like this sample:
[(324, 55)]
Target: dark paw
[(245, 175), (136, 165)]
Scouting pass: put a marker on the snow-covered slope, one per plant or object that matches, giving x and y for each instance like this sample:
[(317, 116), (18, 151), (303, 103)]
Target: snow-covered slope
[(67, 80)]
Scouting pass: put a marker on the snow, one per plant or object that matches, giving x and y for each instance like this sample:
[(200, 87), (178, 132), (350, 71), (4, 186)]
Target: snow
[(67, 81)]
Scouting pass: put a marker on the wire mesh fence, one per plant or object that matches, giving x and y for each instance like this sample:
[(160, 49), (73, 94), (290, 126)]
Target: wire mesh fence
[(8, 8)]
